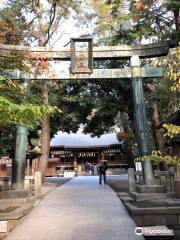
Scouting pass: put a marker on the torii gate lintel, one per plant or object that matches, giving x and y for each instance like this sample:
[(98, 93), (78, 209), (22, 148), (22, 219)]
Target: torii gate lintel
[(99, 53)]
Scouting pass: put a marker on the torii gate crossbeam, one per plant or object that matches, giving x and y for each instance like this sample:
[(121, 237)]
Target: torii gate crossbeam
[(99, 53)]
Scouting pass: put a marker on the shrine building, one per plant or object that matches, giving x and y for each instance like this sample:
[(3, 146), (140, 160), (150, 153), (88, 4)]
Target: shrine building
[(77, 150)]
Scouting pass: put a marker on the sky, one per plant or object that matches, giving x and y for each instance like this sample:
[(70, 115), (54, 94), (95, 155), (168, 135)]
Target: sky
[(80, 139), (69, 29)]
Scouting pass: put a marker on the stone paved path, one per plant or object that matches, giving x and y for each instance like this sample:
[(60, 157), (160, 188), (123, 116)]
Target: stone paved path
[(78, 210)]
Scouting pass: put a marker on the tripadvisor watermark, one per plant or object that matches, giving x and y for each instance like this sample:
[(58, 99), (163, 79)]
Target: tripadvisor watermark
[(139, 231), (154, 231)]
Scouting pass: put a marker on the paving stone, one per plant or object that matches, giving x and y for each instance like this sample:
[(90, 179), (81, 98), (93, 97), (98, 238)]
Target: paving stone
[(78, 210)]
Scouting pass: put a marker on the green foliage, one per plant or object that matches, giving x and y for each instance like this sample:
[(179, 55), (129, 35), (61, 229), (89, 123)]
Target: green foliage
[(93, 104), (131, 21), (13, 25), (8, 85), (172, 130), (7, 140), (15, 110), (172, 4), (157, 157), (171, 64), (173, 72), (13, 30), (24, 113)]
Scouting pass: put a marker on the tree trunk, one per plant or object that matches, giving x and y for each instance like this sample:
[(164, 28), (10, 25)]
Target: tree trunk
[(177, 19), (127, 144), (45, 124), (45, 136), (156, 132)]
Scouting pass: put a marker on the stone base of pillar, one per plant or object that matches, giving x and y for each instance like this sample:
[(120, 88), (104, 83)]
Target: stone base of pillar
[(148, 192), (12, 194), (151, 189), (147, 196)]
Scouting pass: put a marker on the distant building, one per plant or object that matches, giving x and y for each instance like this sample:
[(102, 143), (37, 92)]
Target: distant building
[(76, 150), (5, 166)]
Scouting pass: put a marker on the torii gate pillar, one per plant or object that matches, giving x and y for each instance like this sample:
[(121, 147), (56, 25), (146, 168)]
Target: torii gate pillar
[(140, 117), (19, 162)]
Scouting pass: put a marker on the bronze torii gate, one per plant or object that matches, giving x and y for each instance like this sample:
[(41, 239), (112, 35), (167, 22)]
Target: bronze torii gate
[(135, 73)]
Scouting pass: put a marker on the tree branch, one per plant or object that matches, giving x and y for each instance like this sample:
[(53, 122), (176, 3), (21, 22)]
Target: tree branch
[(23, 5), (54, 23), (32, 20), (63, 32), (52, 17), (55, 27)]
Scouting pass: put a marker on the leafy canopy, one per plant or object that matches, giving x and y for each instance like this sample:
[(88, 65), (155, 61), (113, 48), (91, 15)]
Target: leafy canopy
[(25, 113)]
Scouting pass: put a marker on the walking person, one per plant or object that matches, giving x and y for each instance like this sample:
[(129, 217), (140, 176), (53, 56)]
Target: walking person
[(102, 168)]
